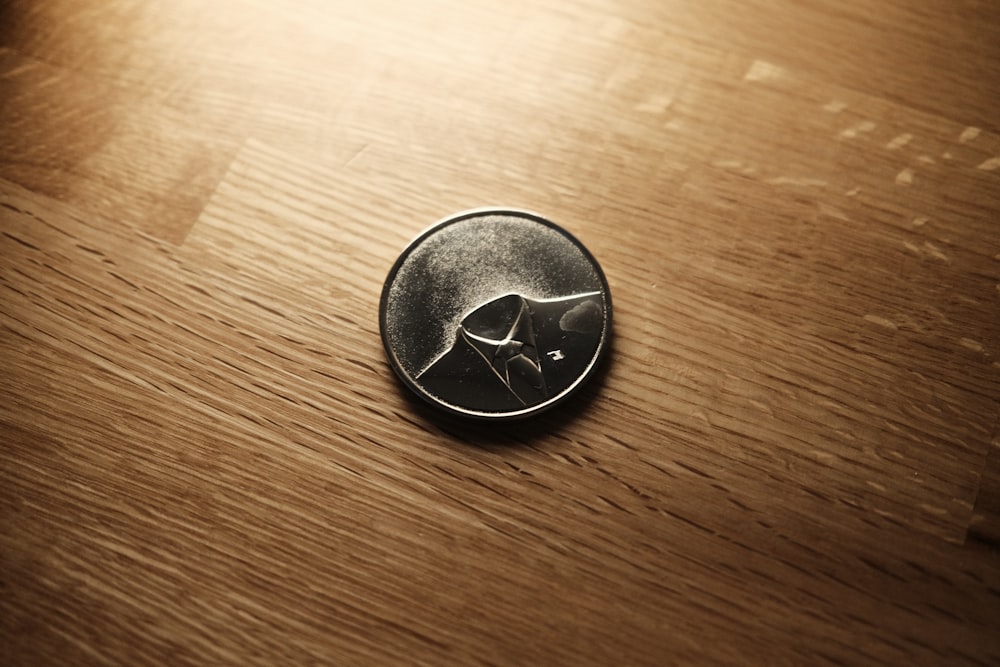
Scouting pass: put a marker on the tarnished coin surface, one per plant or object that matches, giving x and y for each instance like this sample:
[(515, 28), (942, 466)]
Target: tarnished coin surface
[(495, 314)]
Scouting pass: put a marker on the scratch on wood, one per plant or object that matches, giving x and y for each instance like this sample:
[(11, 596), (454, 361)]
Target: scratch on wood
[(361, 151)]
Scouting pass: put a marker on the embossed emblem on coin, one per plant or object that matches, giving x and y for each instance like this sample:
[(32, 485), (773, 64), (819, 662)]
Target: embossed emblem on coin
[(495, 314)]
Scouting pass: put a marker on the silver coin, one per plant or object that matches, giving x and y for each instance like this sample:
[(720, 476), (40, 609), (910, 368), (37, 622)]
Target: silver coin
[(495, 314)]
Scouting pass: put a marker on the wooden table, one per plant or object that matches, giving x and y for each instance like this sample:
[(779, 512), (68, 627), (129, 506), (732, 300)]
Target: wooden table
[(792, 454)]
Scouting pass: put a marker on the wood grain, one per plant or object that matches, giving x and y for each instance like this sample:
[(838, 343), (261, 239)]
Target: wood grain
[(790, 457)]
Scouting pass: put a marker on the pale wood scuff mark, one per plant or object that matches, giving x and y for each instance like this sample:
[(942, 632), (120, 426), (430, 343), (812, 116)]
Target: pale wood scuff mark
[(935, 252), (876, 486), (882, 322), (624, 74), (797, 180), (832, 212), (613, 28), (761, 70), (736, 166), (834, 106), (905, 177), (926, 159), (16, 71), (899, 141), (854, 131), (990, 165), (920, 221), (969, 134), (931, 509), (970, 344), (656, 104), (853, 192), (728, 164), (967, 299), (963, 503)]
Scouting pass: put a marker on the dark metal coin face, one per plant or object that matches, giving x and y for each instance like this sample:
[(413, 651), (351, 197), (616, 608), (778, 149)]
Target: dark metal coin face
[(495, 314)]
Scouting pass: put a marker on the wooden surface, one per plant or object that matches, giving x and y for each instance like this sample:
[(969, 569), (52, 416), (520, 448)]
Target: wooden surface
[(792, 457)]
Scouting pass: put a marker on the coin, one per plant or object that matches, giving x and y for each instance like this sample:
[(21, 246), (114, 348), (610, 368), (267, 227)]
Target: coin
[(495, 314)]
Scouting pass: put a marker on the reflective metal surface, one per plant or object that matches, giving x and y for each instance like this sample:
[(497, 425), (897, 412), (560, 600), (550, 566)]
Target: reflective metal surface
[(495, 314)]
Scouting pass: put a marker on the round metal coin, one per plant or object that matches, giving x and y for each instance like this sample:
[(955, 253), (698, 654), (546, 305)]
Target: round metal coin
[(495, 314)]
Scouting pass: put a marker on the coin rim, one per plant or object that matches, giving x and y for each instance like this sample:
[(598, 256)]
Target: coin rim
[(415, 387)]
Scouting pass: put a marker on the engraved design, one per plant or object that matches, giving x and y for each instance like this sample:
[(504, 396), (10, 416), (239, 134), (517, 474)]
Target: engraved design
[(495, 314), (495, 363)]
